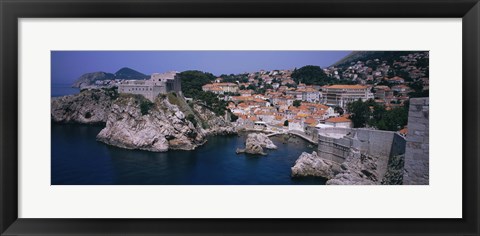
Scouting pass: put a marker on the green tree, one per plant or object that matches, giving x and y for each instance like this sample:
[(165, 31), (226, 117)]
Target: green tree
[(233, 117), (191, 118), (375, 115), (145, 106), (297, 103), (359, 113), (193, 80), (338, 110), (285, 123), (311, 75)]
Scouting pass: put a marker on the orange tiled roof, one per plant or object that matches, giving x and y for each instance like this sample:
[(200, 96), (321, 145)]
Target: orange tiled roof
[(341, 119), (310, 120)]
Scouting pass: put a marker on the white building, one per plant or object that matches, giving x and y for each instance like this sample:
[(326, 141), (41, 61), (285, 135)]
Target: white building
[(295, 125), (341, 95)]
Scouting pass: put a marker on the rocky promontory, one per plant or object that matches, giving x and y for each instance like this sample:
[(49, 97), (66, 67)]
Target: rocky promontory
[(136, 123), (255, 143), (87, 107)]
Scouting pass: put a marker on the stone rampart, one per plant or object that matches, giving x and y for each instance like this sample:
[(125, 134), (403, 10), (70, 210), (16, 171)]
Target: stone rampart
[(376, 143), (417, 149)]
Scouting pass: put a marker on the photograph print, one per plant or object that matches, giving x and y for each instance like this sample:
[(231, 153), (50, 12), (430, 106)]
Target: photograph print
[(239, 117)]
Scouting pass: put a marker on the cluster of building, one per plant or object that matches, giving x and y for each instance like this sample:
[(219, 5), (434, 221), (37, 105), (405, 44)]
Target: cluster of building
[(375, 70), (315, 106), (159, 83), (220, 88), (284, 104)]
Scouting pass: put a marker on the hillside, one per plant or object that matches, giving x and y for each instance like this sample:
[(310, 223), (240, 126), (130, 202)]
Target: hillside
[(124, 73), (90, 78), (370, 55), (129, 74)]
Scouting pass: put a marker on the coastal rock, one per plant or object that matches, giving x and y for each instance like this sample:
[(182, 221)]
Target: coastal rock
[(87, 107), (255, 143), (357, 169), (260, 139), (313, 165), (158, 129)]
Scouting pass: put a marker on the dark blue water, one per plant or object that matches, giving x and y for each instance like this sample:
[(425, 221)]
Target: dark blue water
[(78, 159), (59, 90)]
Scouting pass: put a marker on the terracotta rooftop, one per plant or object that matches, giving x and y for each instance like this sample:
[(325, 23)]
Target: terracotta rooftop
[(341, 119)]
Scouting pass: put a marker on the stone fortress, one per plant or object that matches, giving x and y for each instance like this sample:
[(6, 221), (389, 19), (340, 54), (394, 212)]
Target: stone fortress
[(337, 144), (353, 156), (159, 83)]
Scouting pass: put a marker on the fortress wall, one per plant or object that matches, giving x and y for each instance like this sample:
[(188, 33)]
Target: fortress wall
[(417, 147), (379, 144), (375, 142), (334, 149), (330, 131)]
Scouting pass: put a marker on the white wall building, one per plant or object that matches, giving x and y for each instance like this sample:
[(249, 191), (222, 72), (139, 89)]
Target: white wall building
[(341, 95)]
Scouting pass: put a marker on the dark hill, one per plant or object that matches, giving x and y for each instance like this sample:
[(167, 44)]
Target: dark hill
[(130, 74), (370, 55)]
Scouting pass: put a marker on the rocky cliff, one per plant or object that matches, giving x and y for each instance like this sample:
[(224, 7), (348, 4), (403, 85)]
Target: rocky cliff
[(136, 123), (214, 124), (357, 169), (133, 122), (87, 107)]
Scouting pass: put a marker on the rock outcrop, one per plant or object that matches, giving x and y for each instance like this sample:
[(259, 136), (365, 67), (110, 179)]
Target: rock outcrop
[(133, 122), (255, 143), (357, 169), (136, 123), (312, 165), (87, 107)]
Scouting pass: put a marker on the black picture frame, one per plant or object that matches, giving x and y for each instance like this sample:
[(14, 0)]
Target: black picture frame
[(12, 10)]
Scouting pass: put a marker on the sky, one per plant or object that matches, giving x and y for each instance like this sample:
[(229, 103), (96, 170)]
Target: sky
[(67, 66)]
